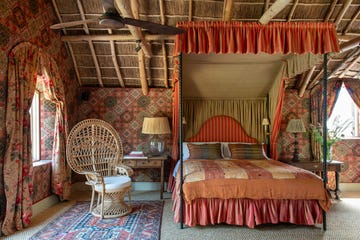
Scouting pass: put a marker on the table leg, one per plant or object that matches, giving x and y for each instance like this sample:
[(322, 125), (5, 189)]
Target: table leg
[(336, 185), (162, 180)]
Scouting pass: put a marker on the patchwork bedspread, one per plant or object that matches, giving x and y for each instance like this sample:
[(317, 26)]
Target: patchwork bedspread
[(253, 179)]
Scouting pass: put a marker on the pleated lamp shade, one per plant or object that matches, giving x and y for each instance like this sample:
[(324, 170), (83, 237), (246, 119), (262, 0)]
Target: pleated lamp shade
[(156, 125)]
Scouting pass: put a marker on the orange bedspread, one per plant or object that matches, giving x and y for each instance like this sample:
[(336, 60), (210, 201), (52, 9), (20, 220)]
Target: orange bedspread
[(255, 179)]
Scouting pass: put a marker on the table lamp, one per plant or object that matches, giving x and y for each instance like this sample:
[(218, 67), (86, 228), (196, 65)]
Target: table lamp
[(295, 126), (156, 126)]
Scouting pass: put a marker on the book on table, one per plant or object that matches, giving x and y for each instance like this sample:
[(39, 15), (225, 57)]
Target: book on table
[(135, 155)]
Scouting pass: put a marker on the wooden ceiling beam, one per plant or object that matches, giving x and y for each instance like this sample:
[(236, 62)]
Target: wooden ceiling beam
[(144, 83), (68, 44), (292, 10), (349, 45), (266, 6), (124, 7), (342, 12), (91, 45), (227, 10), (163, 48), (306, 81), (116, 63), (353, 62), (275, 8), (142, 69), (148, 37), (343, 62), (190, 10), (347, 28), (330, 11)]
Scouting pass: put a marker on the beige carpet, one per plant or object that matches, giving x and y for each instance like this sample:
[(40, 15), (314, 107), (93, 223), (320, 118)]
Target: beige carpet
[(343, 223)]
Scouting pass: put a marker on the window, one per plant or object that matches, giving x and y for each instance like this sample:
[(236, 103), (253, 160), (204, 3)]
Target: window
[(345, 110), (35, 126)]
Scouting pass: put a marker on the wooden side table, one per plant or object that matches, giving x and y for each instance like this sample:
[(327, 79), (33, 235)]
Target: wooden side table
[(150, 162), (317, 167)]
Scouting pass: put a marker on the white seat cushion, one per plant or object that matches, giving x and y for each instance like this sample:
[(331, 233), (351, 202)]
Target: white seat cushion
[(114, 183)]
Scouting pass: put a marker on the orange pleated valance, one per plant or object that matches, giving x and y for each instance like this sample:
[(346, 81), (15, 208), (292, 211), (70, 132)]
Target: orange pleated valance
[(252, 37)]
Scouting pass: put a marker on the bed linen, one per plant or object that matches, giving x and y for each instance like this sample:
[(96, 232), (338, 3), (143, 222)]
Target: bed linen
[(249, 192)]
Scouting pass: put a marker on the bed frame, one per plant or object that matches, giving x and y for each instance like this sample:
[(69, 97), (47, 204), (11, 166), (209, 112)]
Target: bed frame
[(243, 137)]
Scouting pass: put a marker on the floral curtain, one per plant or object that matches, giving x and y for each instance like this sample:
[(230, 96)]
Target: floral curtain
[(25, 64), (54, 91), (353, 88), (317, 99), (22, 74)]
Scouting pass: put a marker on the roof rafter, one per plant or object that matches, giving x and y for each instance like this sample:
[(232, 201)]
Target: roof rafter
[(69, 44), (227, 10), (341, 14), (292, 10), (163, 48)]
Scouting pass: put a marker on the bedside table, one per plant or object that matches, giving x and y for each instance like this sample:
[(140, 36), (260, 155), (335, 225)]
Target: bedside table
[(317, 167), (150, 162)]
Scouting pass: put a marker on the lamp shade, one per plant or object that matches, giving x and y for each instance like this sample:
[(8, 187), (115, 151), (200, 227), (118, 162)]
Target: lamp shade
[(295, 126), (156, 125), (265, 122)]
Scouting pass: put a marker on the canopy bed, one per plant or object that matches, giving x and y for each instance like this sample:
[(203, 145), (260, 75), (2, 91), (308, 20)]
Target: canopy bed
[(226, 116)]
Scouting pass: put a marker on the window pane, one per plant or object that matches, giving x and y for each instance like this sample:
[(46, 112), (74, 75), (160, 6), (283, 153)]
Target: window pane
[(35, 126), (345, 110)]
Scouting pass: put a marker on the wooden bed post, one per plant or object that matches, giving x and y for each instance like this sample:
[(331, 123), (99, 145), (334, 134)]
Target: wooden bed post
[(181, 144), (325, 132)]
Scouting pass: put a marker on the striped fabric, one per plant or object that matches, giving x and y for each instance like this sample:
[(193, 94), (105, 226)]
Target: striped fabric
[(246, 151), (222, 129), (205, 151)]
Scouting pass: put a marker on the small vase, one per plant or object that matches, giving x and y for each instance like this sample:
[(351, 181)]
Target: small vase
[(328, 154)]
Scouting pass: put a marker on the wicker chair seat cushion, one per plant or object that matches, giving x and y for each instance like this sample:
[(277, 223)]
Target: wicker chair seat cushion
[(114, 183)]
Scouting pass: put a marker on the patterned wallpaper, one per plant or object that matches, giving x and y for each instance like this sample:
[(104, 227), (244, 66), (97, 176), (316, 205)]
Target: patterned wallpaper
[(347, 150), (29, 20), (125, 110)]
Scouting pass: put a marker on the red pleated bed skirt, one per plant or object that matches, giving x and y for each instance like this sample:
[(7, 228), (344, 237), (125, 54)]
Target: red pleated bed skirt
[(248, 212)]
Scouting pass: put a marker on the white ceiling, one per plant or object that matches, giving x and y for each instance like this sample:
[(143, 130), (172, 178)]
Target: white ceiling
[(229, 75)]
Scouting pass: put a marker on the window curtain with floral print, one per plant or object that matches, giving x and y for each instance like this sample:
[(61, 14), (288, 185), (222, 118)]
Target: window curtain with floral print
[(54, 91), (317, 99), (353, 88), (25, 61)]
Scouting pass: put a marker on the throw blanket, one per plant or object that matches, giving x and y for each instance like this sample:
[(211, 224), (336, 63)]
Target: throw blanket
[(254, 179)]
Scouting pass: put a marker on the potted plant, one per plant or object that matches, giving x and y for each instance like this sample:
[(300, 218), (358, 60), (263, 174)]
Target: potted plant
[(335, 134)]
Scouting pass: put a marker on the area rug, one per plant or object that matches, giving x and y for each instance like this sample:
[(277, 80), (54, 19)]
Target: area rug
[(144, 222)]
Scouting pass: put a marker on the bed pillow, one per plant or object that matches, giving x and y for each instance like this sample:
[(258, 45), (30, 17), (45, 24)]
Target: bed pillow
[(204, 151), (246, 151)]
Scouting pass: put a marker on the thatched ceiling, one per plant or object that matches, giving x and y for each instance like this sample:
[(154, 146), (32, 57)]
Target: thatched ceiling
[(107, 58)]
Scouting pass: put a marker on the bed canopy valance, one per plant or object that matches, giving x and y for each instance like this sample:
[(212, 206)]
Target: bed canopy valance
[(302, 44)]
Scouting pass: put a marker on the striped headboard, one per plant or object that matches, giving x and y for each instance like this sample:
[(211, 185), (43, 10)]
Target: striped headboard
[(221, 129)]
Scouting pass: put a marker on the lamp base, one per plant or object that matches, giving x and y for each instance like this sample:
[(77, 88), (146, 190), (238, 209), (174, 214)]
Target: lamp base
[(156, 146)]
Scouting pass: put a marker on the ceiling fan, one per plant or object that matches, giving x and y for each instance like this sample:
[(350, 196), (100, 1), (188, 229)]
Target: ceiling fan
[(112, 19)]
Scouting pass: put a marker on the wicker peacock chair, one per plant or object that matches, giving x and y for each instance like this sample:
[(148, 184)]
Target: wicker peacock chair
[(94, 149)]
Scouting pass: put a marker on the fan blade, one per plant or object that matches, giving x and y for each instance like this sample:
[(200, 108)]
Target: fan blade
[(109, 6), (73, 23), (152, 27)]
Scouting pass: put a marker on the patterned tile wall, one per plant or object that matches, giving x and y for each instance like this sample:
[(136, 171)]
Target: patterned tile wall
[(47, 125), (347, 150), (30, 20), (125, 110), (42, 182)]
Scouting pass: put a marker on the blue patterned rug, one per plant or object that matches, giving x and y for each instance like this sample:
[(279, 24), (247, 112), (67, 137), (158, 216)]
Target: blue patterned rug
[(144, 222)]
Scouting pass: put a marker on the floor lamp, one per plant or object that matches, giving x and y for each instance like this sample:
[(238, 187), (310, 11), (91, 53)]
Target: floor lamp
[(296, 126)]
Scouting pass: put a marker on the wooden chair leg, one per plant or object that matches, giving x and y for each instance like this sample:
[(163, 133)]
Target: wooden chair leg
[(92, 199), (102, 205)]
